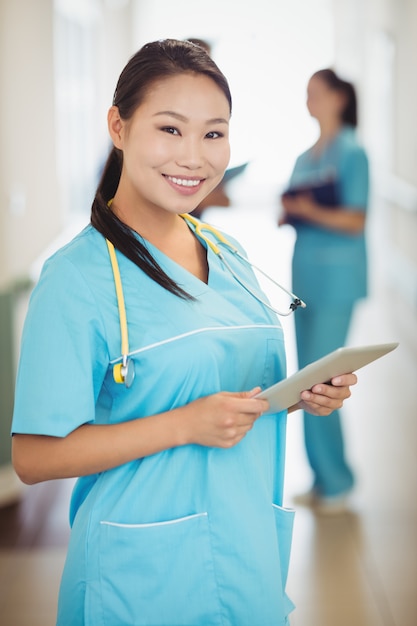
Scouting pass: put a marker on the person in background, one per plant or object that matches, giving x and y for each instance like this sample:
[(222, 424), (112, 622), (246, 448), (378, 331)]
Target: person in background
[(327, 202), (176, 517)]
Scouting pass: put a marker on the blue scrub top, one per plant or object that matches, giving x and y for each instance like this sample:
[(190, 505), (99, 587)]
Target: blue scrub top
[(330, 268), (191, 535)]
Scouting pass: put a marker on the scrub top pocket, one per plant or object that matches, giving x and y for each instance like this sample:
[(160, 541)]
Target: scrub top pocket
[(284, 521), (147, 580)]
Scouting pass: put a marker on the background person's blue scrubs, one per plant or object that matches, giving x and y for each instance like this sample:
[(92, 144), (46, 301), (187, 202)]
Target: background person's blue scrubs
[(190, 536), (330, 274)]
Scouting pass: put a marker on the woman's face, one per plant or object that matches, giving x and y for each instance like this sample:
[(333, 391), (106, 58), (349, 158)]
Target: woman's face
[(176, 145), (324, 103)]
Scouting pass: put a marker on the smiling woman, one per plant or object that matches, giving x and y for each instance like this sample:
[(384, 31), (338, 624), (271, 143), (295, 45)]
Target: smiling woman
[(177, 512)]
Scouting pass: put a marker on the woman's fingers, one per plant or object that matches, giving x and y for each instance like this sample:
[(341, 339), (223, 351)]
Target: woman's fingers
[(324, 398), (223, 419)]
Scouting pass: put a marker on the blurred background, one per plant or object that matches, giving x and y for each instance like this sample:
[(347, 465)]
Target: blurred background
[(59, 63)]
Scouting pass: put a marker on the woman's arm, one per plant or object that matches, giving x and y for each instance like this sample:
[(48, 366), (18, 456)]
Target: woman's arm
[(219, 420), (342, 219)]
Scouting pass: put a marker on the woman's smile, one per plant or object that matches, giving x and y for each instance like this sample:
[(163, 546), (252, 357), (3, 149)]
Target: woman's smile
[(186, 186)]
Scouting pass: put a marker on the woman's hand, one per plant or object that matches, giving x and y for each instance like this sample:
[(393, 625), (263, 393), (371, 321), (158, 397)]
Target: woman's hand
[(301, 207), (324, 398), (222, 419)]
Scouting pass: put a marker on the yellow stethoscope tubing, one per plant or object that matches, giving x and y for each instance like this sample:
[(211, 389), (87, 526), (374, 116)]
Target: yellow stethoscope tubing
[(119, 369), (200, 226)]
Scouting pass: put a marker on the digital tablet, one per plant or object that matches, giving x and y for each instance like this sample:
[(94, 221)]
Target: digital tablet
[(342, 361)]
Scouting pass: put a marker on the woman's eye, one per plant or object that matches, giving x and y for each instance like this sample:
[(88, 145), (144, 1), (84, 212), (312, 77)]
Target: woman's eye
[(214, 135), (170, 130)]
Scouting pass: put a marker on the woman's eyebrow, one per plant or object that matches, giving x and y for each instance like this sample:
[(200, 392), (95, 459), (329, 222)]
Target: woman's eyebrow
[(182, 118)]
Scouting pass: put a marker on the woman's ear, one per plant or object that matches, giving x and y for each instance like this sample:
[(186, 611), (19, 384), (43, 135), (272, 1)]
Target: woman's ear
[(115, 125)]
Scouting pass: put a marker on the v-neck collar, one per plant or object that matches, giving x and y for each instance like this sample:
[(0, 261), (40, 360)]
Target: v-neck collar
[(186, 279)]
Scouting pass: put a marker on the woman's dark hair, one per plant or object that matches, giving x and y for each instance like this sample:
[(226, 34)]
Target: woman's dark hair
[(153, 62), (333, 81), (200, 42)]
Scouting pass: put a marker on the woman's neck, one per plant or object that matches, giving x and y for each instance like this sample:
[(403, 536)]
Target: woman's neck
[(329, 129)]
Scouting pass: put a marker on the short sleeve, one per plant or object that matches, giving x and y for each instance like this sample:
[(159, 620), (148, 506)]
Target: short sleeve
[(355, 179), (298, 173), (64, 355)]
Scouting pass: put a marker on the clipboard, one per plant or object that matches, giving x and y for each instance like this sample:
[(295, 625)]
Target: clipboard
[(344, 360), (232, 172), (325, 193)]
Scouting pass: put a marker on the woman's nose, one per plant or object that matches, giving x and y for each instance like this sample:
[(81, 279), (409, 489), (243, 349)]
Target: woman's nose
[(191, 154)]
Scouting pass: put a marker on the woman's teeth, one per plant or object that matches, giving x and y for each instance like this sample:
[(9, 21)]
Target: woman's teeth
[(184, 182)]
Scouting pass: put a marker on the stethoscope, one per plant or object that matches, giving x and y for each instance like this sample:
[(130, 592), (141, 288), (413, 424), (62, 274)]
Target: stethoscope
[(124, 372)]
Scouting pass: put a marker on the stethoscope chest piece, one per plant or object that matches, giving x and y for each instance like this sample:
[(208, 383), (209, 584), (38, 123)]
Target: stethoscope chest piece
[(124, 373)]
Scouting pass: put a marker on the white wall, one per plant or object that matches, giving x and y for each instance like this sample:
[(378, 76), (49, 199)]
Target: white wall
[(30, 213), (377, 43)]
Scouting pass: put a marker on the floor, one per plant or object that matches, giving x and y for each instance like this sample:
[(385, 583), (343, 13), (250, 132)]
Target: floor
[(355, 569)]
